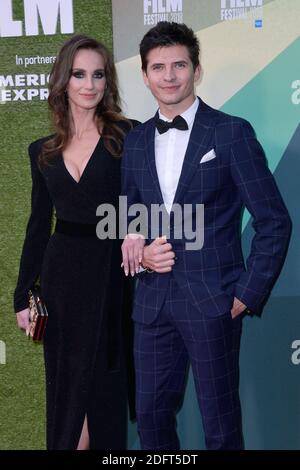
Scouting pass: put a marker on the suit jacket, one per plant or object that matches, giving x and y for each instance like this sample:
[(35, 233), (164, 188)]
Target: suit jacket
[(237, 177)]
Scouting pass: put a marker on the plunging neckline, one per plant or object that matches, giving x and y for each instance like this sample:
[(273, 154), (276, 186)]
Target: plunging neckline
[(86, 166)]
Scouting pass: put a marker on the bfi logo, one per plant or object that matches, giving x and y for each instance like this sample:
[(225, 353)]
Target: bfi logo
[(162, 6), (242, 9), (162, 10), (48, 12), (241, 3)]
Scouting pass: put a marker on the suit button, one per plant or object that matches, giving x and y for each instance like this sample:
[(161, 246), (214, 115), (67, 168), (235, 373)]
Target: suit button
[(176, 258)]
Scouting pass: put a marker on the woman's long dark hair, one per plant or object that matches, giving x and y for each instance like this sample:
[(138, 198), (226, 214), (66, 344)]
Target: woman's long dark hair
[(108, 111)]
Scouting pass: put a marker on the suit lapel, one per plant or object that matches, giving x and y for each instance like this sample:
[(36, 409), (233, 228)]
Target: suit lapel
[(150, 157), (200, 142)]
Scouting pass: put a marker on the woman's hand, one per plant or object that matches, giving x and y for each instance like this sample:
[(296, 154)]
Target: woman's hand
[(132, 251), (23, 319)]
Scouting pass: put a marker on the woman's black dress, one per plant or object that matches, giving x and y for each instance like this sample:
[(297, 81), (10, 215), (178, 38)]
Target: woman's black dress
[(85, 291)]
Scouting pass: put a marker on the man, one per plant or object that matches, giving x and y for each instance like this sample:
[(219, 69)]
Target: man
[(190, 310)]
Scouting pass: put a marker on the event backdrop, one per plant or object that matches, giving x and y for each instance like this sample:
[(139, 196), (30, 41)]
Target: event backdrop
[(250, 58), (31, 32), (250, 68)]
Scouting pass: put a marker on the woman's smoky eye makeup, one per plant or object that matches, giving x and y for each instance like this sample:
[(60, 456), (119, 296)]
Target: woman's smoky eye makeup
[(81, 73), (77, 73), (99, 74)]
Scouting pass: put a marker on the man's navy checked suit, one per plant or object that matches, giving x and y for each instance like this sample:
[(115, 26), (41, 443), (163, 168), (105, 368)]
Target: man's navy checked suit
[(184, 316)]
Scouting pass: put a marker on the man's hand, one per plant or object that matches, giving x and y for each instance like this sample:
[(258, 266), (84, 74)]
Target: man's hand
[(237, 308), (159, 256), (132, 251)]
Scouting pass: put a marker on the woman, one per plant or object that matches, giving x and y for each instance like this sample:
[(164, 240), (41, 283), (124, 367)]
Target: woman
[(82, 285)]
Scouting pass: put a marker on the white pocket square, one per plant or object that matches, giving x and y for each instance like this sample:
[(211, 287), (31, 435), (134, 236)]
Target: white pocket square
[(208, 156)]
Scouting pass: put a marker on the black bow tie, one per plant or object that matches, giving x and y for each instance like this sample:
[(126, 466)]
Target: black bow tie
[(177, 123)]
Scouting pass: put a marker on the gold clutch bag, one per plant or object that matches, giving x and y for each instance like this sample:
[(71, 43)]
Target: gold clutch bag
[(38, 316)]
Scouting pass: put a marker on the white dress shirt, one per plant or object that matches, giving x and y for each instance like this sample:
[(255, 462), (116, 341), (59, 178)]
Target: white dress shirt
[(170, 149)]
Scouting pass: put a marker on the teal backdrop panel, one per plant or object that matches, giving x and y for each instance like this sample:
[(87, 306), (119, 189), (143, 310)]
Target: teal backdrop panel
[(250, 69)]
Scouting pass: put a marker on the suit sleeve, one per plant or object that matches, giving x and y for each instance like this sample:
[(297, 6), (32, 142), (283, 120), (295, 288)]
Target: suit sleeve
[(37, 233), (271, 221), (129, 186)]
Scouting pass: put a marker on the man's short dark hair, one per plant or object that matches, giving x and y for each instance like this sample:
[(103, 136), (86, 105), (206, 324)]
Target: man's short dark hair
[(166, 34)]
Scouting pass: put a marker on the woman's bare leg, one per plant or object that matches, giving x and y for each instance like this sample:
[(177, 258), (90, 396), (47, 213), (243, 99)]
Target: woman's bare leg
[(84, 441)]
